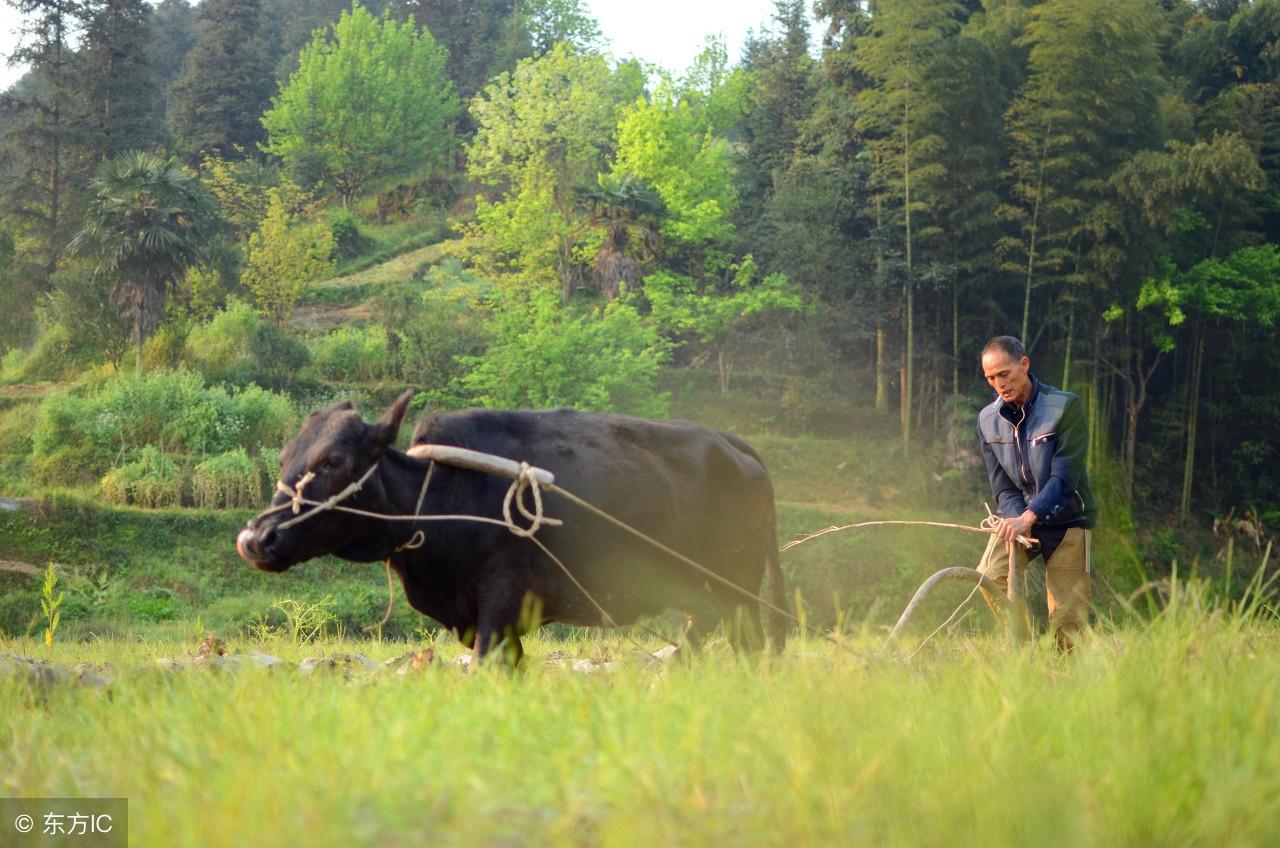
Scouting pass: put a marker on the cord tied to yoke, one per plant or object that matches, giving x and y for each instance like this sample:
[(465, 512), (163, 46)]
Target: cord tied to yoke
[(526, 479)]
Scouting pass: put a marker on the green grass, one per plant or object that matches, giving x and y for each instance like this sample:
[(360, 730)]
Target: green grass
[(1162, 733)]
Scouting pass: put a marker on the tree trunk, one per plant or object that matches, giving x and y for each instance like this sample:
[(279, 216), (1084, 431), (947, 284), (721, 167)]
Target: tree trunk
[(882, 373), (1031, 248), (1193, 414), (955, 337), (137, 338), (1066, 361), (909, 363)]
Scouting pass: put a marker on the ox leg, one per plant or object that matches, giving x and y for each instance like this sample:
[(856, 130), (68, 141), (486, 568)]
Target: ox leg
[(497, 629), (742, 626)]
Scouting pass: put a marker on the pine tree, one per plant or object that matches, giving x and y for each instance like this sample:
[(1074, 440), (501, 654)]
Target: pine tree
[(45, 131), (115, 82), (226, 81)]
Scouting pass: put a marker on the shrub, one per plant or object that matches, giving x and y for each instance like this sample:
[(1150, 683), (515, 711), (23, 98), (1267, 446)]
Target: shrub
[(152, 480), (238, 347), (347, 238), (546, 355), (172, 412), (228, 480), (352, 354)]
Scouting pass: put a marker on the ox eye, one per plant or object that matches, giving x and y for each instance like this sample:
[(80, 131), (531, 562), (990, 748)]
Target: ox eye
[(333, 463)]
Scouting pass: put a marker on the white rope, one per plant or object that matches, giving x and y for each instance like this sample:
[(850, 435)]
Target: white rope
[(525, 479)]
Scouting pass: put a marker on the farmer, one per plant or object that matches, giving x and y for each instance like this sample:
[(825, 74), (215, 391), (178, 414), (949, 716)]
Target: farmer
[(1033, 440)]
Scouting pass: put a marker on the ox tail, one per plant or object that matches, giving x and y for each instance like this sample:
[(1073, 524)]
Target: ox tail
[(775, 623)]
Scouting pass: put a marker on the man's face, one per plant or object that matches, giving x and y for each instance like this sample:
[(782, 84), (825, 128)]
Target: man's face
[(1008, 376)]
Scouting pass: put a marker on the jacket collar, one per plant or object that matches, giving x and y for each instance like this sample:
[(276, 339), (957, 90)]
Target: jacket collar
[(1013, 414)]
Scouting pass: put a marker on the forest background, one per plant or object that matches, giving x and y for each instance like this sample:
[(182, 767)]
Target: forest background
[(214, 218)]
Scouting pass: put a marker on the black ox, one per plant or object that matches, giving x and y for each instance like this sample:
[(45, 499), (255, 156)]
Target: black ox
[(701, 492)]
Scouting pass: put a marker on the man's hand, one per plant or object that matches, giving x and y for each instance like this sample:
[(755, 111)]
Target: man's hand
[(1011, 528)]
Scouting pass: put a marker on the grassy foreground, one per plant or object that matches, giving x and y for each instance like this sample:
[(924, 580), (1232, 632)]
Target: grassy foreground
[(1158, 733)]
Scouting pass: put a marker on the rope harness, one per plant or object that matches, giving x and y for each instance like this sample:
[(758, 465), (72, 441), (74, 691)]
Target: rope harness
[(525, 477)]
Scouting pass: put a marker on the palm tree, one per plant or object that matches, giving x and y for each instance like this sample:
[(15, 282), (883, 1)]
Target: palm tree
[(631, 213), (145, 224)]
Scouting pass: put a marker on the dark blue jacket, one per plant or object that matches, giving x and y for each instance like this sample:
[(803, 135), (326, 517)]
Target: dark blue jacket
[(1035, 457)]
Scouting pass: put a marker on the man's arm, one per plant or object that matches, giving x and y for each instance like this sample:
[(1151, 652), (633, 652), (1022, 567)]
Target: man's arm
[(1070, 444)]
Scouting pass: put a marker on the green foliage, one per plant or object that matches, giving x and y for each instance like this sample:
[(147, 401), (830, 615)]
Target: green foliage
[(674, 142), (50, 604), (226, 80), (552, 22), (352, 354), (144, 226), (242, 189), (152, 480), (285, 256), (348, 241), (540, 130), (544, 355), (237, 346), (87, 432), (369, 99), (231, 480), (683, 307)]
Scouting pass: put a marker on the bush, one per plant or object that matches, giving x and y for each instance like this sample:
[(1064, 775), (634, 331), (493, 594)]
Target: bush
[(347, 238), (153, 480), (546, 355), (238, 347), (353, 354), (172, 412), (228, 480)]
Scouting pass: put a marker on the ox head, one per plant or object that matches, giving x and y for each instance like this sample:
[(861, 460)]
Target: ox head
[(334, 449)]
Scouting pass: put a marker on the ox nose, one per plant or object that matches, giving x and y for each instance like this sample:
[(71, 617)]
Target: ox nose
[(252, 545)]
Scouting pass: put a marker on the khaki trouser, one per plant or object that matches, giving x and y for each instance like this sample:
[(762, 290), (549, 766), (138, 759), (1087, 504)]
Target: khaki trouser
[(1067, 580)]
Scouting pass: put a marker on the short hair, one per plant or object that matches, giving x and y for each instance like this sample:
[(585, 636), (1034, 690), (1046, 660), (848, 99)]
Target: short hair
[(1009, 344)]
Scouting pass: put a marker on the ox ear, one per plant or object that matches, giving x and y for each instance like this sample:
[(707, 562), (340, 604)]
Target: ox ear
[(388, 426)]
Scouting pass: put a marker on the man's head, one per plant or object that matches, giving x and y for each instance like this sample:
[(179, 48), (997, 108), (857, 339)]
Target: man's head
[(1007, 369)]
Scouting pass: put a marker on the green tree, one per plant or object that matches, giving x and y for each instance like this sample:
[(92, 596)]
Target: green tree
[(711, 313), (630, 213), (370, 99), (545, 354), (670, 143), (144, 225), (899, 54), (541, 130), (115, 82), (1091, 99), (483, 37), (285, 256), (217, 102), (552, 22), (46, 130)]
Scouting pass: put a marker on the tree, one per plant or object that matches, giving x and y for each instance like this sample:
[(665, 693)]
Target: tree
[(116, 83), (45, 130), (370, 99), (1091, 99), (671, 144), (144, 225), (483, 37), (542, 130), (899, 53), (710, 313), (778, 103), (630, 213), (226, 82), (285, 256), (552, 22)]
